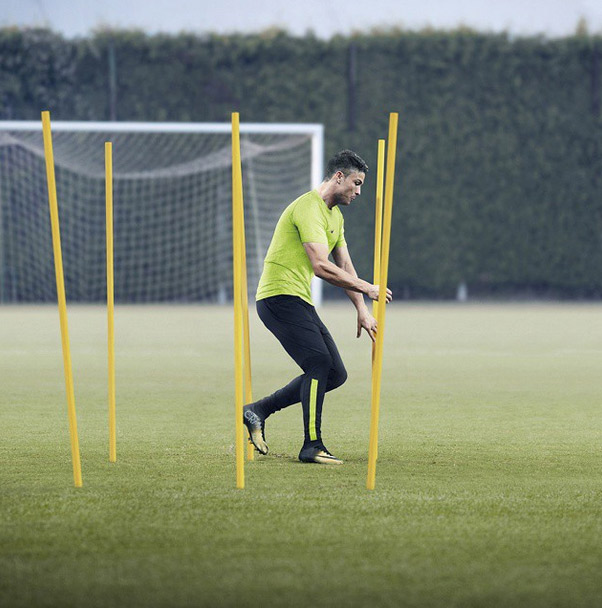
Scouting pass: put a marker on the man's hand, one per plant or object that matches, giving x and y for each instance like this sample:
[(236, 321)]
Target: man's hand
[(373, 290), (368, 322)]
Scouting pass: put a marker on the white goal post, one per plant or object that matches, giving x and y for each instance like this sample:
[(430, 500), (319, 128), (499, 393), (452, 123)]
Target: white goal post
[(172, 213)]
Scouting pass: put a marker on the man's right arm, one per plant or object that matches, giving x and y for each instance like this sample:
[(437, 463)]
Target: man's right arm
[(325, 269)]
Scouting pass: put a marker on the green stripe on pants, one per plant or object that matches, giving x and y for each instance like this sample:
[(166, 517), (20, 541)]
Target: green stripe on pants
[(313, 397)]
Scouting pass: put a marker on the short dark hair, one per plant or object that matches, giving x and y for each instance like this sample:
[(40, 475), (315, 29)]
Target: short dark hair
[(346, 161)]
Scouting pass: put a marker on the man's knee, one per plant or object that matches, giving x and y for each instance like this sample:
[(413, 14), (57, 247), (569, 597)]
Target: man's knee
[(324, 366), (336, 377)]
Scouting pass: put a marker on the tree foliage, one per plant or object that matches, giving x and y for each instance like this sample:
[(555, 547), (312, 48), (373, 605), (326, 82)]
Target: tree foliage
[(500, 147)]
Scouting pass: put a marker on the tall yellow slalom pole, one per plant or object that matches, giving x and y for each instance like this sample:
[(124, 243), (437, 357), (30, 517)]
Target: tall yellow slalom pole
[(237, 241), (110, 299), (248, 387), (245, 322), (60, 290), (382, 298), (378, 224)]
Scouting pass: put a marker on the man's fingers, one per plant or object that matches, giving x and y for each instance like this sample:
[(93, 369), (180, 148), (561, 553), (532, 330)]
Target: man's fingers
[(388, 297), (371, 331)]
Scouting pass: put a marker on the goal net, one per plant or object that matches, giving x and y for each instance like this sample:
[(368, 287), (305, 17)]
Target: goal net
[(172, 206)]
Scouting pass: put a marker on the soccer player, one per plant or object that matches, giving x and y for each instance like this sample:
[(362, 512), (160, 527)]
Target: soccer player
[(308, 231)]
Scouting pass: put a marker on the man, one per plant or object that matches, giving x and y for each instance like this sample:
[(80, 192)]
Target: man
[(310, 229)]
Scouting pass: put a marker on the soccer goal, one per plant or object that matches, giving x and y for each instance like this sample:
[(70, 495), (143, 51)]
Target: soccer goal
[(172, 206)]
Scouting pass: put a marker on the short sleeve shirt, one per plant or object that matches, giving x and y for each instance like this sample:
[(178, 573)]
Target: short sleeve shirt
[(287, 269)]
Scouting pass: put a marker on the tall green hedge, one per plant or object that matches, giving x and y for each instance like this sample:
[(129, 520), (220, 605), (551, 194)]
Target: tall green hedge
[(499, 179)]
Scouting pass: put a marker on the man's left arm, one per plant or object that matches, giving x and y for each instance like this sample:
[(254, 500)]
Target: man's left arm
[(364, 319)]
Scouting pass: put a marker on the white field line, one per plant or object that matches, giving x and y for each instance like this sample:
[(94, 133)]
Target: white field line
[(90, 351), (420, 352), (423, 352)]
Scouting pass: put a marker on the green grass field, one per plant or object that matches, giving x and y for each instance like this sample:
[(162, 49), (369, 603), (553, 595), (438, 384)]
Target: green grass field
[(488, 488)]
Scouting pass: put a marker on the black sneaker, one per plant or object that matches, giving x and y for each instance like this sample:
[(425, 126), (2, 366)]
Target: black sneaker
[(256, 427), (318, 454)]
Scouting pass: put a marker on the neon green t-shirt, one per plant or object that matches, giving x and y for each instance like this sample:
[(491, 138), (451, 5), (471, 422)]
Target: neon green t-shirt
[(287, 269)]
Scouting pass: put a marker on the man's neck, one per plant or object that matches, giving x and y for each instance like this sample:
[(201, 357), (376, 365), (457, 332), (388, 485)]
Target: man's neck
[(326, 191)]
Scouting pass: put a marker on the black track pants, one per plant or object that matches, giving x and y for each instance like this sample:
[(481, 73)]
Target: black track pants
[(305, 338)]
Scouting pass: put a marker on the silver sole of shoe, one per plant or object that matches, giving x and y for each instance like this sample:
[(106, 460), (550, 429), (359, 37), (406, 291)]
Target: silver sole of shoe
[(322, 460), (257, 440)]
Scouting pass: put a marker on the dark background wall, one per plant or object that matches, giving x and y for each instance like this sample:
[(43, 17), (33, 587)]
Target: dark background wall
[(500, 148)]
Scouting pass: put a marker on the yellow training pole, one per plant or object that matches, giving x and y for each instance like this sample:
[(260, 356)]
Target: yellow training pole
[(384, 271), (110, 299), (378, 223), (248, 387), (60, 291), (237, 285), (245, 323)]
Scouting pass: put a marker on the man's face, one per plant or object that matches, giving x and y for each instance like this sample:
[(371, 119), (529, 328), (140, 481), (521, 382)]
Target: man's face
[(348, 187)]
